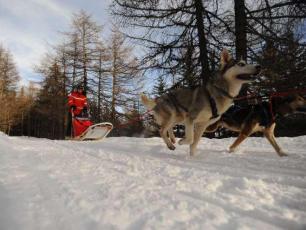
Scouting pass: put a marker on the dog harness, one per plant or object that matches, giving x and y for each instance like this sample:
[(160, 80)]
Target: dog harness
[(213, 106), (212, 102)]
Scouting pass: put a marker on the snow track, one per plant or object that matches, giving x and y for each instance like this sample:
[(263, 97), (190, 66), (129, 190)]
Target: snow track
[(136, 183)]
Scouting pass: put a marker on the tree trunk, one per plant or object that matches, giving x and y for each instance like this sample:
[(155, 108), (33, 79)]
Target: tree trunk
[(84, 61), (64, 96), (74, 60), (205, 71), (240, 30), (241, 35), (113, 112), (22, 123), (100, 87)]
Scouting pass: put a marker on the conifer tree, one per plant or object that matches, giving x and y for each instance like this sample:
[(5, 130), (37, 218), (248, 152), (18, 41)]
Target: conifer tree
[(160, 87)]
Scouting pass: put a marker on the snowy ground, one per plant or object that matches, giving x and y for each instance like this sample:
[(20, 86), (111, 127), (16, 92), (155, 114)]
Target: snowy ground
[(135, 183)]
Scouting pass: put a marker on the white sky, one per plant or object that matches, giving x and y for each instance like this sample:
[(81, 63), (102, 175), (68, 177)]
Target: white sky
[(27, 26)]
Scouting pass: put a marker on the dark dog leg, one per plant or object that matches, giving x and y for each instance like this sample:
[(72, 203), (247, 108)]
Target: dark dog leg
[(213, 128), (269, 134), (245, 132), (237, 142)]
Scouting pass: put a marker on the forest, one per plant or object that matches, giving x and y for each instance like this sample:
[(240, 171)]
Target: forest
[(154, 46)]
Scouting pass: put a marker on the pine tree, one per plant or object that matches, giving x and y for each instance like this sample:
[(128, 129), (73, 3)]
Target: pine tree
[(160, 87), (284, 65), (50, 108)]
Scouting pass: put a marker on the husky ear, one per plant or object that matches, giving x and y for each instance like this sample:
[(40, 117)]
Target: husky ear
[(225, 57)]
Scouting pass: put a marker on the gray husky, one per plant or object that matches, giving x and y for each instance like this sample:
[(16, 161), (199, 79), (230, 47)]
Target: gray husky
[(202, 106)]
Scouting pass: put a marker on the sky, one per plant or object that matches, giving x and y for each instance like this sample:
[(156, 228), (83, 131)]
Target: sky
[(28, 26)]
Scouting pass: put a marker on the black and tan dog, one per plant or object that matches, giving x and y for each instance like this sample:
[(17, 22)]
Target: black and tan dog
[(202, 106), (259, 118)]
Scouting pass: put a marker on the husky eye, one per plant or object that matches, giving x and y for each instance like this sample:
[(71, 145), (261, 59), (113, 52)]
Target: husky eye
[(241, 64)]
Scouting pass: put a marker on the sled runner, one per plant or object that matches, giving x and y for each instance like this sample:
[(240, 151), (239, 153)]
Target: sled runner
[(96, 132)]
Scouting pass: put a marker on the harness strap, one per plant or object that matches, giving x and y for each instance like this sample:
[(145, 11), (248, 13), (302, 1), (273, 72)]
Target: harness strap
[(212, 103), (213, 106)]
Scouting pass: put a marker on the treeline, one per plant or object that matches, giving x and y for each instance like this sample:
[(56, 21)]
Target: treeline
[(15, 103), (107, 68), (180, 42), (185, 37)]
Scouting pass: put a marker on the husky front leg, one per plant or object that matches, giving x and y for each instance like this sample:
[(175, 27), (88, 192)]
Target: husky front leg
[(165, 128), (198, 132), (189, 130), (171, 135)]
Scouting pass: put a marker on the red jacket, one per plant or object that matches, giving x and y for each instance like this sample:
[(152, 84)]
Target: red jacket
[(78, 100)]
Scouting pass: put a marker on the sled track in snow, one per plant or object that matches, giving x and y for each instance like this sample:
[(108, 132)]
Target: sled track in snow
[(136, 183)]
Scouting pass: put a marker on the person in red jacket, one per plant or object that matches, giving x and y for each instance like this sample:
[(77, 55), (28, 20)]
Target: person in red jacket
[(78, 108), (77, 102)]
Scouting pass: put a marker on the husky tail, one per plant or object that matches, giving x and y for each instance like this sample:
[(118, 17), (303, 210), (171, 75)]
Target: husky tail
[(149, 103)]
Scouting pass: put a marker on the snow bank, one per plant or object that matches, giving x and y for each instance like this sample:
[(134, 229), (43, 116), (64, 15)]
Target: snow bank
[(136, 183)]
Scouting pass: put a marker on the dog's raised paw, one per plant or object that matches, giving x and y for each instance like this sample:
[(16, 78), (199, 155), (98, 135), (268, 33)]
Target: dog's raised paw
[(171, 147)]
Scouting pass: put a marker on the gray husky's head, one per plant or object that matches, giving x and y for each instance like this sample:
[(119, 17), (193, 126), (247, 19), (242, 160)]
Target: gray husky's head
[(237, 72)]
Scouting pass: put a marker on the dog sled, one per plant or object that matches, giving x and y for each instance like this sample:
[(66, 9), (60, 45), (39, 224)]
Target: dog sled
[(85, 130)]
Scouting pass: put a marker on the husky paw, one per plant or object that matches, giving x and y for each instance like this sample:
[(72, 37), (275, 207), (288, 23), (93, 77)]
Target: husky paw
[(282, 154), (171, 147), (231, 150)]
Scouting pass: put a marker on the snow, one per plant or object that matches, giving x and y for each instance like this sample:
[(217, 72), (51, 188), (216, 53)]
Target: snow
[(137, 183)]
